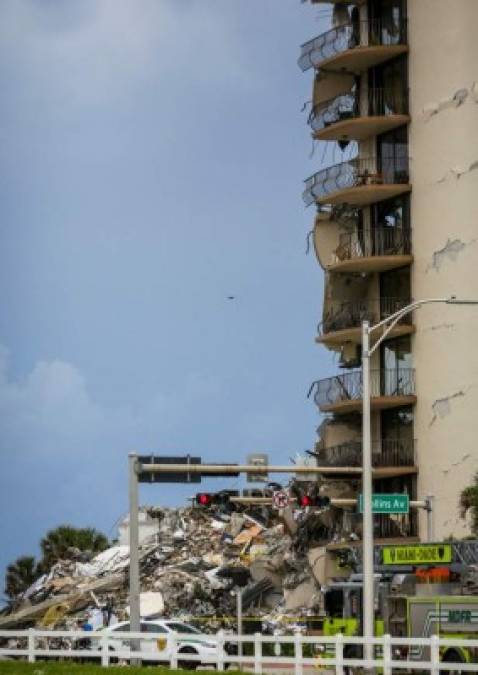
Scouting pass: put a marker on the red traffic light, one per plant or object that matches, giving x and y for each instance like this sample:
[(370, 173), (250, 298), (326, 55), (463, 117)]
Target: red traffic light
[(308, 500), (305, 501), (204, 499)]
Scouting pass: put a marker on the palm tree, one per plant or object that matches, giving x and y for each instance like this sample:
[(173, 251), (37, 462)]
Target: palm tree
[(469, 503), (55, 543), (20, 575)]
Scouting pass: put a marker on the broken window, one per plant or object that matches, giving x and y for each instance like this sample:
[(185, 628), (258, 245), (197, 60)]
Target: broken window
[(392, 155)]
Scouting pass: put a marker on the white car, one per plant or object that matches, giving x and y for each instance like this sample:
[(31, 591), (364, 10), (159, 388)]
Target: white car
[(189, 640)]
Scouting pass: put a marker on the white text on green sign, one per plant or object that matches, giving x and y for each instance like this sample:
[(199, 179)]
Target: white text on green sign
[(388, 503)]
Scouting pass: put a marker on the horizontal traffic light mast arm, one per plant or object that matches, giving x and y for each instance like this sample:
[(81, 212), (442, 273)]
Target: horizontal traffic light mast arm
[(244, 468), (340, 503)]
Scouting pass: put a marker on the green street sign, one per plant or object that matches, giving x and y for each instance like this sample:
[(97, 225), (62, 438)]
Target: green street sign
[(388, 503), (421, 554)]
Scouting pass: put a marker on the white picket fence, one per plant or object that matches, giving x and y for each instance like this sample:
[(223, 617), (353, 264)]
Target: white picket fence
[(334, 654)]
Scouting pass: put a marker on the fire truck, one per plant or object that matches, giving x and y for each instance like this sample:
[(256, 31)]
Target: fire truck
[(419, 591)]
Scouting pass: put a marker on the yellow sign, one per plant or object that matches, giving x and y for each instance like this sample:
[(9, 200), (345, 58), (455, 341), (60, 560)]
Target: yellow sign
[(422, 554)]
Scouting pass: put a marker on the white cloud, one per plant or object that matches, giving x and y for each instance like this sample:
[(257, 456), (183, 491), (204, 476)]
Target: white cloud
[(52, 410), (53, 397)]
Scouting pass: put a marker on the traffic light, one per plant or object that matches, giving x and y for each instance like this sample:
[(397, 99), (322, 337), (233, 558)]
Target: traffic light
[(313, 500), (204, 499), (220, 499)]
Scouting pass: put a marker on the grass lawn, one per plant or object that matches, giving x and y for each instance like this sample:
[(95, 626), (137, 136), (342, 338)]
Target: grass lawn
[(66, 668)]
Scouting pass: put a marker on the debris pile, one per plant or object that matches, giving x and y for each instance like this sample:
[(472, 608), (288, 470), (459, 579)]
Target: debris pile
[(185, 571)]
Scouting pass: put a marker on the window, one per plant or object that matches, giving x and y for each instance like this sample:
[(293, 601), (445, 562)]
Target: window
[(391, 226), (394, 291), (182, 627), (152, 628), (123, 628), (397, 425), (387, 21), (388, 88), (392, 155), (397, 377)]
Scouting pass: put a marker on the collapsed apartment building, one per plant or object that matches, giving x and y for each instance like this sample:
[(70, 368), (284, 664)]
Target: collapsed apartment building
[(184, 554)]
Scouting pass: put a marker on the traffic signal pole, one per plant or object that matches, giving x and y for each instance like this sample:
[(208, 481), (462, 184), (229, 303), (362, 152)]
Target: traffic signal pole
[(134, 583), (222, 469), (136, 467)]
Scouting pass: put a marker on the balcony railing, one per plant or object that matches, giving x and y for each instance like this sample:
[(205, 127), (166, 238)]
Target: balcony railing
[(349, 386), (385, 453), (355, 172), (342, 315), (388, 526), (380, 102), (371, 33), (379, 241)]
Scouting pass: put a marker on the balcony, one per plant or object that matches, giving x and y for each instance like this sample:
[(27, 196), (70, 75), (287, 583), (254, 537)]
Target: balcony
[(345, 118), (343, 393), (355, 47), (378, 250), (393, 526), (342, 321), (358, 182), (390, 457)]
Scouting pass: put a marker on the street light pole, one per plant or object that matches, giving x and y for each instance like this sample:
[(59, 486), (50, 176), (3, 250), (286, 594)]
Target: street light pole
[(367, 534), (368, 609), (239, 623)]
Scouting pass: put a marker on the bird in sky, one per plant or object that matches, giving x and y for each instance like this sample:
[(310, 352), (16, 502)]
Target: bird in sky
[(231, 297)]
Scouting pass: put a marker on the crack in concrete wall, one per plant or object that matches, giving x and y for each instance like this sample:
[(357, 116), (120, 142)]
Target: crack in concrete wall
[(438, 326), (449, 252), (454, 101), (458, 171), (441, 407), (459, 462)]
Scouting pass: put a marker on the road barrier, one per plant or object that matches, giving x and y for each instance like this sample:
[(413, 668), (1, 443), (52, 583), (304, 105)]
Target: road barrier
[(339, 653)]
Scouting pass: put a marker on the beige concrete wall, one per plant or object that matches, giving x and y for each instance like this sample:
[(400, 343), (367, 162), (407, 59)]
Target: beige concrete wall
[(336, 434), (444, 210)]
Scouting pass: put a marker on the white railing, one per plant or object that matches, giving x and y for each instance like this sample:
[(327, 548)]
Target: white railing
[(339, 653)]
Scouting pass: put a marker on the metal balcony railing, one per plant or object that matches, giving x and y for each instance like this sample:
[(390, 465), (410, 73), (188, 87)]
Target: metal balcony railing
[(385, 453), (341, 315), (380, 102), (378, 241), (349, 386), (388, 526), (371, 33), (355, 172)]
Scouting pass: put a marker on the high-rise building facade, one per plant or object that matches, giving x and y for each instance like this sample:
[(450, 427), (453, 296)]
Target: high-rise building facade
[(396, 87)]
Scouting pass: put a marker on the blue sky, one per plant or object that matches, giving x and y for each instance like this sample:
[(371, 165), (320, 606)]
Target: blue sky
[(152, 161)]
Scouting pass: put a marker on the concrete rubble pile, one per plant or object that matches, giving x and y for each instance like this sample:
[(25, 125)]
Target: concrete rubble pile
[(182, 565)]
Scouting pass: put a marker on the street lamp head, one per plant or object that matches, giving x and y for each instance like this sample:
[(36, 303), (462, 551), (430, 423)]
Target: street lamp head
[(453, 300)]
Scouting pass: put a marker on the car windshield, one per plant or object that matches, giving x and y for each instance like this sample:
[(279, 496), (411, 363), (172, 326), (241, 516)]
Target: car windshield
[(182, 627)]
